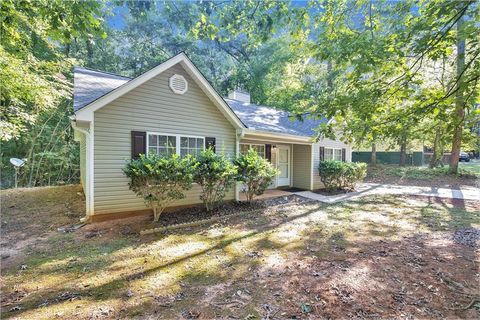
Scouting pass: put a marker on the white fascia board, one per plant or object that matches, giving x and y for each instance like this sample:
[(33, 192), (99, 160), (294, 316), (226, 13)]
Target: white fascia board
[(86, 113), (290, 137)]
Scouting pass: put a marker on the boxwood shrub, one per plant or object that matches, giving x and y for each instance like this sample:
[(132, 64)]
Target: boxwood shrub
[(337, 175), (160, 180), (215, 174), (255, 172)]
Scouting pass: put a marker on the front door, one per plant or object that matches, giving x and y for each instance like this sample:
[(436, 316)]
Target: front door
[(283, 165)]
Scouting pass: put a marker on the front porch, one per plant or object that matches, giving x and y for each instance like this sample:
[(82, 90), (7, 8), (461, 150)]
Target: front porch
[(293, 159)]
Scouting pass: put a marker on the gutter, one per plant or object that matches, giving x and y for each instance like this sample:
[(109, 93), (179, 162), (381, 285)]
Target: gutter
[(277, 135)]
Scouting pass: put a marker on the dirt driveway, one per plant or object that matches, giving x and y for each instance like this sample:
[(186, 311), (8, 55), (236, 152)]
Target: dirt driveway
[(408, 257)]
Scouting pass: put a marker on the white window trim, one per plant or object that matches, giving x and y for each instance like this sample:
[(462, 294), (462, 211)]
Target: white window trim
[(333, 153), (255, 144), (177, 139)]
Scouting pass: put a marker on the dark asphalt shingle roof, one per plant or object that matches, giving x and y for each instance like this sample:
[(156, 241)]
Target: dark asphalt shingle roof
[(263, 118), (89, 85)]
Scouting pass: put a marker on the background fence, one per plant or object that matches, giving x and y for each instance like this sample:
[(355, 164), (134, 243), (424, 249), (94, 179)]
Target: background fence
[(388, 157)]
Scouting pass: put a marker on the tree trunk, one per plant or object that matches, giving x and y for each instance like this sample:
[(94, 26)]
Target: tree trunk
[(403, 153), (437, 149), (373, 159), (89, 46), (459, 115)]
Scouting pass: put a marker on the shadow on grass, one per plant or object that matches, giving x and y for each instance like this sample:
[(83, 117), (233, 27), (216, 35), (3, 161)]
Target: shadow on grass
[(319, 240)]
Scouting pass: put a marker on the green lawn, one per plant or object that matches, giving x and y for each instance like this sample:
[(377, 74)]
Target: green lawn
[(375, 256), (473, 167)]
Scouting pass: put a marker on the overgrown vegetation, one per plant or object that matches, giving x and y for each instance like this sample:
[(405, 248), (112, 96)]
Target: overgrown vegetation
[(215, 174), (160, 180), (255, 172), (338, 175)]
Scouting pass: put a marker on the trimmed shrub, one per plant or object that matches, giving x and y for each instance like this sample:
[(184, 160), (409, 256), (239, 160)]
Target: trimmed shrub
[(160, 180), (337, 175), (215, 174), (255, 172)]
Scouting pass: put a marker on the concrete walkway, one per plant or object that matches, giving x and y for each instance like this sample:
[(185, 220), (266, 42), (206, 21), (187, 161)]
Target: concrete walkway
[(466, 193)]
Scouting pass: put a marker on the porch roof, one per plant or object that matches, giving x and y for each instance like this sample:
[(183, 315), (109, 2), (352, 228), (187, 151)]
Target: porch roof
[(263, 118)]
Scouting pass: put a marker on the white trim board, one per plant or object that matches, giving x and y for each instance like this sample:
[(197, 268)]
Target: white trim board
[(177, 140), (87, 112)]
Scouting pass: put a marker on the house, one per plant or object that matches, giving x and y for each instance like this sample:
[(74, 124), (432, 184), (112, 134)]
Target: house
[(173, 108)]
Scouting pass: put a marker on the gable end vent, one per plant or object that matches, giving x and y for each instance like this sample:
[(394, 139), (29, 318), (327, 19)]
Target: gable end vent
[(178, 84)]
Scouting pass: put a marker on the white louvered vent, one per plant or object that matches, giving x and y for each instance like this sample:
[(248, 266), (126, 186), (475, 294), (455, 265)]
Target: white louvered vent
[(178, 84)]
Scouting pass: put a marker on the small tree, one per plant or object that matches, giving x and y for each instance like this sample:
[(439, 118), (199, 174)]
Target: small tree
[(160, 180), (256, 172), (215, 174)]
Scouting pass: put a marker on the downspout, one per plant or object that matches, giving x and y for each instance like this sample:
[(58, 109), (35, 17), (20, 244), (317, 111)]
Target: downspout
[(87, 167)]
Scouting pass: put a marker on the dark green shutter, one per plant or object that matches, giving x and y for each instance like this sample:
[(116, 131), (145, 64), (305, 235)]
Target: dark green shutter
[(322, 153), (210, 143), (139, 143), (268, 152)]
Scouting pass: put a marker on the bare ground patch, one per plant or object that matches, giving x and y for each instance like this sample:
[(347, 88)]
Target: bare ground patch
[(375, 257)]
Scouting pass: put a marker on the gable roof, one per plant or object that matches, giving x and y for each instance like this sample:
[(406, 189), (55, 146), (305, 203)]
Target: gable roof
[(86, 110), (94, 89), (89, 85), (263, 118)]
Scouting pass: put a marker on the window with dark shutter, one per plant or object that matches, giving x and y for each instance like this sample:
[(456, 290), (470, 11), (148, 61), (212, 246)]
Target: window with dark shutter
[(139, 143), (322, 153), (210, 143), (344, 154), (268, 152)]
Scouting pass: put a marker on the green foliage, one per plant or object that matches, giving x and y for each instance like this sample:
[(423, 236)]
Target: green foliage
[(35, 94), (255, 172), (160, 180), (337, 175), (215, 174)]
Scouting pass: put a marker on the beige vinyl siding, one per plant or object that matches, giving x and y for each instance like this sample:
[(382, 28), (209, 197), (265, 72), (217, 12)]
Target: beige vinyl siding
[(151, 107), (301, 166), (327, 143)]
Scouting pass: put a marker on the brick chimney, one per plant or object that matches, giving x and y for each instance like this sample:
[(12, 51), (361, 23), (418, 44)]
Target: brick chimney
[(239, 95)]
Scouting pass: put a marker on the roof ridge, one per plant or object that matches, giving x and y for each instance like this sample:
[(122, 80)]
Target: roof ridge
[(101, 71), (261, 105)]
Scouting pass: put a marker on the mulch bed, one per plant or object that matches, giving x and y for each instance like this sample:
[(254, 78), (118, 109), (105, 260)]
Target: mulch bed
[(193, 214)]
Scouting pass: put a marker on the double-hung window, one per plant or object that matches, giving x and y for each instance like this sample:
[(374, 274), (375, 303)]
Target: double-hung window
[(191, 145), (166, 145), (333, 154), (259, 148), (162, 145)]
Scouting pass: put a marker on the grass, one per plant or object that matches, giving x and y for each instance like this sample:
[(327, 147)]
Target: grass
[(424, 176), (425, 173), (239, 266), (471, 167)]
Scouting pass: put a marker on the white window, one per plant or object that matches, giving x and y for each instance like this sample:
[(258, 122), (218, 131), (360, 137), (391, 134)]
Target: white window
[(166, 145), (259, 148), (161, 144), (333, 154), (189, 145)]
